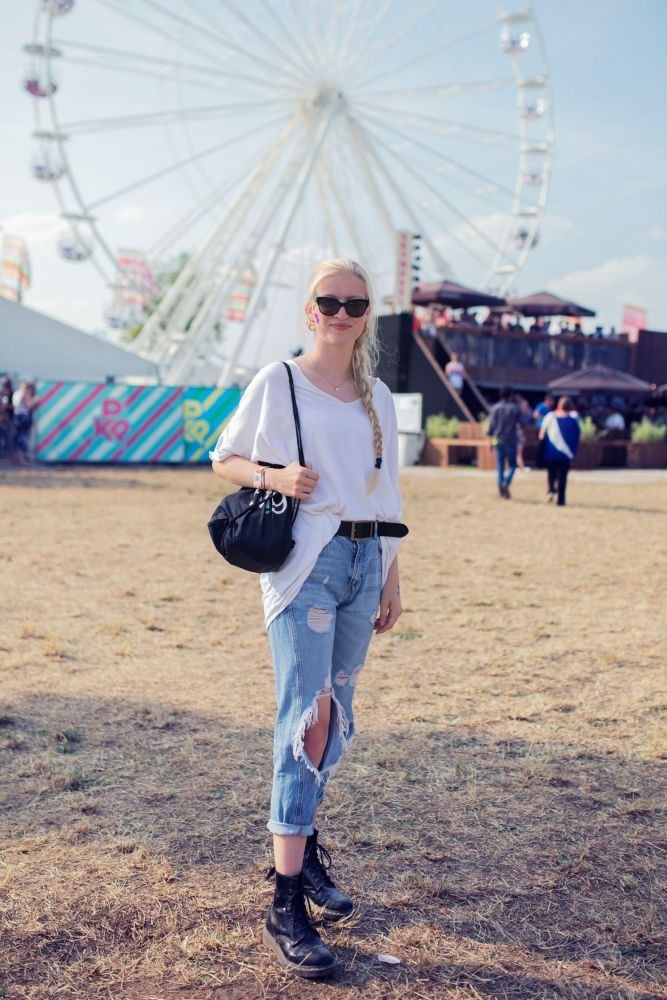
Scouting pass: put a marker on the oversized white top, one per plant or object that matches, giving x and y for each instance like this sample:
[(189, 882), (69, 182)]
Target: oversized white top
[(338, 442)]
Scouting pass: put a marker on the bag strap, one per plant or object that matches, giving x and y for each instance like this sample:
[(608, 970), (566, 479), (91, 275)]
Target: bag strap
[(295, 411)]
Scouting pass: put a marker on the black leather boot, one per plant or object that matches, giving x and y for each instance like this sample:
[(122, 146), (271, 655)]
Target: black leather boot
[(290, 935), (318, 887)]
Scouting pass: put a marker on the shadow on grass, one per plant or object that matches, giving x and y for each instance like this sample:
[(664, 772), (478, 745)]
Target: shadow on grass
[(506, 867), (577, 504), (68, 477)]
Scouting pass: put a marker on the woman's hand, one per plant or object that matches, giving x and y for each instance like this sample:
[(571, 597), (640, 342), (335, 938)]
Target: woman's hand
[(391, 608), (295, 480)]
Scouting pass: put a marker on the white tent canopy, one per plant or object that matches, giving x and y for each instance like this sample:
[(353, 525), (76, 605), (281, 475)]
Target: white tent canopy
[(33, 345)]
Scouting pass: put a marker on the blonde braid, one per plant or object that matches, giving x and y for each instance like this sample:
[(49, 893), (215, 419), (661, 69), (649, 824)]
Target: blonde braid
[(360, 372)]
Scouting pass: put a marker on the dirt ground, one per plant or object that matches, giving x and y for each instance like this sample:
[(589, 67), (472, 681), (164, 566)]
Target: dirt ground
[(498, 818)]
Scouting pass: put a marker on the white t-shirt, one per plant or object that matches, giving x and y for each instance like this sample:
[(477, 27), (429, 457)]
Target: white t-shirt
[(338, 442), (455, 371)]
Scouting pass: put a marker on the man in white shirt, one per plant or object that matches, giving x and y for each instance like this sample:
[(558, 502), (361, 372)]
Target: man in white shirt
[(455, 372)]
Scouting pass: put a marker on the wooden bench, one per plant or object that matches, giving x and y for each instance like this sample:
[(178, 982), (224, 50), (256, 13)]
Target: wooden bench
[(459, 451)]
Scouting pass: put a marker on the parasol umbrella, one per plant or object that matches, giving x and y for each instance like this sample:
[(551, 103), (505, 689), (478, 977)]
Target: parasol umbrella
[(450, 293), (599, 378), (546, 304)]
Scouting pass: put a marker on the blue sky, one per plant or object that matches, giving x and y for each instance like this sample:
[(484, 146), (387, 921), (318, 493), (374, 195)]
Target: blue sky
[(603, 238)]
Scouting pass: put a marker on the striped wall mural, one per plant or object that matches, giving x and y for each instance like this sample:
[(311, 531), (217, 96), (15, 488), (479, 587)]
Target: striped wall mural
[(85, 422), (205, 413)]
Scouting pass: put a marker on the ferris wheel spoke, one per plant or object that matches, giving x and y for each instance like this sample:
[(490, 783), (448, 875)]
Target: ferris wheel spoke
[(372, 53), (303, 168), (209, 34), (134, 18), (437, 124), (332, 176), (393, 130), (281, 30), (369, 30), (149, 74), (324, 33), (286, 58), (424, 57), (325, 197), (440, 197), (362, 159), (438, 90), (189, 219), (407, 206), (202, 76), (309, 44), (348, 39), (151, 118), (196, 157), (176, 306)]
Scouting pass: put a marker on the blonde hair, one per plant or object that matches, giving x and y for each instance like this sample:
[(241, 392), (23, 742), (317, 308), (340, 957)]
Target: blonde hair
[(366, 351)]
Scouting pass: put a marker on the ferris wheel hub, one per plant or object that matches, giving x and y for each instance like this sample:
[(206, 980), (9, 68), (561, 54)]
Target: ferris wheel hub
[(328, 97)]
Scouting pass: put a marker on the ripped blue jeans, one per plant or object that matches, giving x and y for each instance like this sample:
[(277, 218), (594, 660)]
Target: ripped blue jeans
[(319, 644)]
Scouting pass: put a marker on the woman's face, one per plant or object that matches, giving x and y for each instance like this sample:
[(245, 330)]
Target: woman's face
[(340, 328)]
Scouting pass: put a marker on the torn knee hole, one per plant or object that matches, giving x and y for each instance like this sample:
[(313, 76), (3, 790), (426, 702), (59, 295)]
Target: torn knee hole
[(319, 619)]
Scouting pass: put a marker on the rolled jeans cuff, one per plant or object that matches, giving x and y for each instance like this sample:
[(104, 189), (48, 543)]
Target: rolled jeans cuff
[(289, 829)]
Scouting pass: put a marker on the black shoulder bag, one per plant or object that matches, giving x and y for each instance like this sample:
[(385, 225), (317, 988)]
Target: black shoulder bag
[(252, 528)]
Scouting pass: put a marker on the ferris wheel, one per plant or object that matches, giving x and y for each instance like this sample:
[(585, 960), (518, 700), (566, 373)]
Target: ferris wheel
[(255, 137)]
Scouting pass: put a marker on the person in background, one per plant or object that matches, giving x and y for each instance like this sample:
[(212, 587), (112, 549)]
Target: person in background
[(504, 425), (25, 402), (541, 410), (560, 432), (525, 421), (615, 421), (455, 372), (6, 417)]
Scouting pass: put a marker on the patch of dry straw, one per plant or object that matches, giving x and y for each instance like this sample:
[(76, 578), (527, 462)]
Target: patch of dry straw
[(498, 819)]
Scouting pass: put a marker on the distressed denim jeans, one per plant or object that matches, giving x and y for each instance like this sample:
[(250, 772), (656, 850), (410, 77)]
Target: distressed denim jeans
[(319, 644)]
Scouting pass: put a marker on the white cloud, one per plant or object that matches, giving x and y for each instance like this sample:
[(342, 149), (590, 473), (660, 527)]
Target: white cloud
[(656, 233), (620, 281), (555, 225), (40, 230), (131, 213)]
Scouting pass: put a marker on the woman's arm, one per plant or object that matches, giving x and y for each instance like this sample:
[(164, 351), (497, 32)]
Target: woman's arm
[(295, 480), (390, 601)]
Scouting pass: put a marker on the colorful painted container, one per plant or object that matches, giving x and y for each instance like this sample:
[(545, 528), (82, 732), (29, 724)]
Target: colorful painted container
[(84, 422), (205, 413), (88, 422)]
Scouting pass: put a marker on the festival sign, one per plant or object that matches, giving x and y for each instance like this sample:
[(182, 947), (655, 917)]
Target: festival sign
[(84, 422), (634, 320), (205, 413), (14, 268)]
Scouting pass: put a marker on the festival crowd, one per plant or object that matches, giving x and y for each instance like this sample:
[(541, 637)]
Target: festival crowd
[(16, 416)]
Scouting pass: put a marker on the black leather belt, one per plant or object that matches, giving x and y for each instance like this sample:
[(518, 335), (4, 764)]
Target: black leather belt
[(362, 531)]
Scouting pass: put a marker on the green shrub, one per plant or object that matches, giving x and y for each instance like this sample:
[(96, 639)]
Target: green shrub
[(646, 431), (589, 431), (440, 426)]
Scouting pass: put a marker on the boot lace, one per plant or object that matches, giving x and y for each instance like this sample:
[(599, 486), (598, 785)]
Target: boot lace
[(322, 861)]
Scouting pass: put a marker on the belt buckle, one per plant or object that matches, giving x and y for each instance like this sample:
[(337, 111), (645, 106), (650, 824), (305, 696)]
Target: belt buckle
[(363, 537)]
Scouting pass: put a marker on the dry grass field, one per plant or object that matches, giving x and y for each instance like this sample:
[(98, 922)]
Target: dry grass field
[(498, 818)]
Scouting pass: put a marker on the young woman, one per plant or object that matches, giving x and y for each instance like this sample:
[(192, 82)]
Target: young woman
[(560, 433), (339, 584)]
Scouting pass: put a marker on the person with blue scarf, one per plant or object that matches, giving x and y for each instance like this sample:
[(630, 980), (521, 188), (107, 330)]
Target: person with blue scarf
[(560, 434)]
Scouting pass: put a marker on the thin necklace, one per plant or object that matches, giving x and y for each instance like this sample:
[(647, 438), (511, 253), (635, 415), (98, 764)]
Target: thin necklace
[(336, 388)]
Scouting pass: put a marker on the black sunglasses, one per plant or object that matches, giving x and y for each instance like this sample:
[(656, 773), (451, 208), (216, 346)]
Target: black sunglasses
[(329, 306)]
